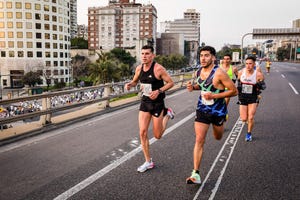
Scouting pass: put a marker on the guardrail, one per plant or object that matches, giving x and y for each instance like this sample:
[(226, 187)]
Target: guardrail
[(52, 102)]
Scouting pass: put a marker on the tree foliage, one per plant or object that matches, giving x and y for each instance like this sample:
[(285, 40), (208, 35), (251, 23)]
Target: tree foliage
[(32, 78), (172, 61), (79, 43)]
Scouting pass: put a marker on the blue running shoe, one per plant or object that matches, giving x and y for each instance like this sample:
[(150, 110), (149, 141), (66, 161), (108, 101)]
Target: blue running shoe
[(248, 137)]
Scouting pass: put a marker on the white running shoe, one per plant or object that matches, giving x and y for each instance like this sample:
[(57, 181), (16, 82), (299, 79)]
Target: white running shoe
[(171, 113), (147, 165)]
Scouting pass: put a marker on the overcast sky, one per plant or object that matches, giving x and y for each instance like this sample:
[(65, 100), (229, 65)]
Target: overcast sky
[(222, 21)]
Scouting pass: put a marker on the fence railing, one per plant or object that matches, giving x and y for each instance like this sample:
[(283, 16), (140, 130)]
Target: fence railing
[(46, 104)]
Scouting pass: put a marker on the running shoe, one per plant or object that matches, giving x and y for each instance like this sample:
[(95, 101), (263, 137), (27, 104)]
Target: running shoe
[(227, 116), (194, 178), (248, 137), (171, 113), (147, 165)]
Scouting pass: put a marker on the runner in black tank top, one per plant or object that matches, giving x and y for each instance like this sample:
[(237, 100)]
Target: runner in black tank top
[(154, 81)]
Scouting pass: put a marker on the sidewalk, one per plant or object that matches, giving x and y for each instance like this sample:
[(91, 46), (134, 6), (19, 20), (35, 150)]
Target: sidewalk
[(85, 111)]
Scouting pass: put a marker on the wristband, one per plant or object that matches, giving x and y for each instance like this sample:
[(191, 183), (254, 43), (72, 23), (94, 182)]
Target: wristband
[(160, 91)]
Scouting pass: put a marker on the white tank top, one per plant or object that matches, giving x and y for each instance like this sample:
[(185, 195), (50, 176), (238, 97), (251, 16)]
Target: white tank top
[(250, 79)]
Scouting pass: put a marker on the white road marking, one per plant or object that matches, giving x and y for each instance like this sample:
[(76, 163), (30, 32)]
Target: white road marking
[(229, 145), (83, 184), (294, 89), (282, 76)]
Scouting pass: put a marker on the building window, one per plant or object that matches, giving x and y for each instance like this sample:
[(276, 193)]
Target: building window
[(38, 25), (28, 34), (39, 54), (18, 15), (29, 54), (1, 24), (11, 44), (19, 25), (19, 34), (1, 15), (37, 16), (38, 45), (28, 5), (9, 15), (29, 44), (18, 5), (20, 44), (11, 54), (28, 15), (3, 54), (10, 34), (8, 4), (37, 6), (28, 25), (20, 54), (38, 35), (2, 34)]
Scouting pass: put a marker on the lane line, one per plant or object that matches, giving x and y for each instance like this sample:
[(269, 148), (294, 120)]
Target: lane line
[(214, 191), (294, 89), (282, 75), (238, 125), (91, 179)]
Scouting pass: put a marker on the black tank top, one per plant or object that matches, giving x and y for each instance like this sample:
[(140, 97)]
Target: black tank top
[(149, 77)]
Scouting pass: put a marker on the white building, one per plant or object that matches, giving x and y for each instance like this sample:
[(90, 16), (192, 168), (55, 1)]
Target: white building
[(121, 24), (34, 36)]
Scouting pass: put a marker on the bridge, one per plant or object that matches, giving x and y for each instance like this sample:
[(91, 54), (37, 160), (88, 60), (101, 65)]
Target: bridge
[(97, 158)]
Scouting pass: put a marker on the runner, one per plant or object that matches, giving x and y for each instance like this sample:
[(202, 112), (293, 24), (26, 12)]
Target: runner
[(232, 72), (268, 66), (152, 77), (250, 82), (211, 107)]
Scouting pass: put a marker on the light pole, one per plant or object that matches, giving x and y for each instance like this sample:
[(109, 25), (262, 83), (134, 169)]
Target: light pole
[(243, 46)]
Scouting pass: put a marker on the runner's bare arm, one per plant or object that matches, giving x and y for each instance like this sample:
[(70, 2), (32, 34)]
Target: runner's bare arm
[(135, 78)]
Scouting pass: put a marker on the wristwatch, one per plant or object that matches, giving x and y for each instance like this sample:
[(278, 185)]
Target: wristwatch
[(160, 91)]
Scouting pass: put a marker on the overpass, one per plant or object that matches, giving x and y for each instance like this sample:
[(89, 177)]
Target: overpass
[(274, 33)]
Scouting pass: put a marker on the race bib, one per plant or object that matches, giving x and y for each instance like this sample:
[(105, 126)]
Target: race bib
[(146, 89), (247, 89), (206, 101)]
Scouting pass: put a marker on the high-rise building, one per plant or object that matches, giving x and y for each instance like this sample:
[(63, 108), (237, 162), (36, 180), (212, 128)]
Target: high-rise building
[(73, 18), (296, 23), (121, 24), (34, 36), (189, 26)]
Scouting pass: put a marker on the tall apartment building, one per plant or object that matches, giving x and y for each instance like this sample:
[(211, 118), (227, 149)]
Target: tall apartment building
[(73, 18), (121, 24), (34, 36), (296, 23), (189, 26)]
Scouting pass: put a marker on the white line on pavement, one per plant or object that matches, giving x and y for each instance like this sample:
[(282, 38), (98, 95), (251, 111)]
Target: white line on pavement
[(294, 89), (83, 184), (282, 76), (237, 129)]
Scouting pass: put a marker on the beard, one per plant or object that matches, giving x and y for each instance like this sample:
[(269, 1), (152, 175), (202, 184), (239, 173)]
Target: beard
[(206, 64)]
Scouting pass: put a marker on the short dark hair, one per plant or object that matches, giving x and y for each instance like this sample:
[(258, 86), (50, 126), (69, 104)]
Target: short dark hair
[(228, 55), (211, 50), (251, 58), (148, 47)]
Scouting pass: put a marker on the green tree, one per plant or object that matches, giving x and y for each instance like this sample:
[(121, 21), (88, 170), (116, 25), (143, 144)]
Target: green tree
[(282, 53), (80, 67), (123, 56), (32, 78), (79, 43)]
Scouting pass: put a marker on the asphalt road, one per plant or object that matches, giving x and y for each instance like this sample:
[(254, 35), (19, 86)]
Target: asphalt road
[(98, 158)]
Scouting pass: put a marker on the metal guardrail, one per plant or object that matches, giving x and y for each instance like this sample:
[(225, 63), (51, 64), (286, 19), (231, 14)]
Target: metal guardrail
[(104, 93)]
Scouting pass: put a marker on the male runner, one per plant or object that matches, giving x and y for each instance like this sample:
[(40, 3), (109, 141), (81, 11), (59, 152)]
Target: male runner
[(211, 108), (154, 81), (250, 82)]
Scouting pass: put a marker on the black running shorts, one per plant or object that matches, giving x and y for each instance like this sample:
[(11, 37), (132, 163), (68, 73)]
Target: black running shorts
[(249, 100), (209, 118), (154, 108)]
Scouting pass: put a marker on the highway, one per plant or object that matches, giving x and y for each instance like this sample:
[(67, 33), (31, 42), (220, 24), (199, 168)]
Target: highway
[(98, 158)]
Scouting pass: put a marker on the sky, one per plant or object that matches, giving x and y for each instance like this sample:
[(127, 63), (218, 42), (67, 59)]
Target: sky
[(222, 21)]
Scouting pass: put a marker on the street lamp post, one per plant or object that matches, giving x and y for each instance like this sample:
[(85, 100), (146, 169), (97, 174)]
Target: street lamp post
[(243, 46)]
